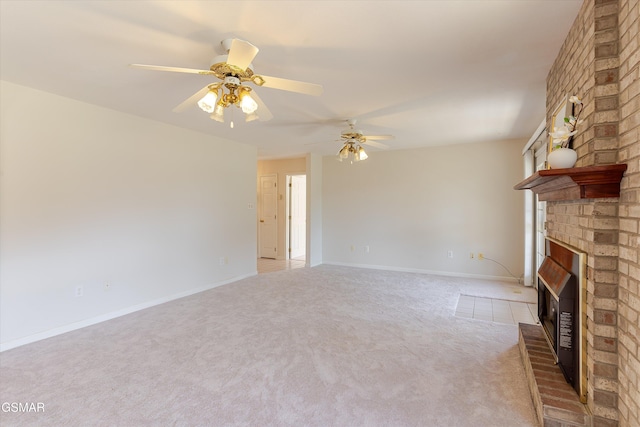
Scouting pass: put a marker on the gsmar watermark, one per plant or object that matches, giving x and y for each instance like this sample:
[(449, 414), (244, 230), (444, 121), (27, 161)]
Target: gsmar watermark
[(22, 407)]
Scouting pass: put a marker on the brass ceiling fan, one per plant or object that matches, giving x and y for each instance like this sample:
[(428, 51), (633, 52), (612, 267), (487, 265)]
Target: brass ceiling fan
[(235, 70), (353, 141)]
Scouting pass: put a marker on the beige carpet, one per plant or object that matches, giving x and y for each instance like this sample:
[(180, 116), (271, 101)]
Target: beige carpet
[(328, 346)]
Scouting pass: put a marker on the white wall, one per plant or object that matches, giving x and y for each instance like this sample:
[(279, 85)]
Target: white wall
[(315, 219), (412, 206), (91, 197)]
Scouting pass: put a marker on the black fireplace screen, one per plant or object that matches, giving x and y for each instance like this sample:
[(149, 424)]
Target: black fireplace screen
[(559, 310)]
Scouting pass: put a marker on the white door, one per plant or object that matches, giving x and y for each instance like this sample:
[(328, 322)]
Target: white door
[(268, 216), (297, 216)]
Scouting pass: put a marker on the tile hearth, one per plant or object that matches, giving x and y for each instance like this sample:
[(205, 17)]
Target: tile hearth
[(496, 310)]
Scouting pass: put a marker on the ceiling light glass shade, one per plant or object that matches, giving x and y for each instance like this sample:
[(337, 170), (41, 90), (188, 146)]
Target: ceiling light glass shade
[(208, 102), (344, 153), (251, 117), (218, 113), (248, 104), (361, 154)]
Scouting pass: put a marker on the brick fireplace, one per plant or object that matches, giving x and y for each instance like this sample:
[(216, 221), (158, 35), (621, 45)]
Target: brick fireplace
[(599, 62)]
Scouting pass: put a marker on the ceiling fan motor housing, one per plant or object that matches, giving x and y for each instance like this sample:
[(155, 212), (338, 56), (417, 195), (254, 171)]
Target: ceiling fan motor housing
[(353, 135), (232, 80)]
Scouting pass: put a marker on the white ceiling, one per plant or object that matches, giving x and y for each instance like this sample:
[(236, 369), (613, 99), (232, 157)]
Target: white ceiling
[(428, 72)]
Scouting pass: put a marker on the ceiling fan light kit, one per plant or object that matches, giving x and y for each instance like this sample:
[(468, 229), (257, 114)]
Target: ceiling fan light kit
[(353, 151), (215, 102)]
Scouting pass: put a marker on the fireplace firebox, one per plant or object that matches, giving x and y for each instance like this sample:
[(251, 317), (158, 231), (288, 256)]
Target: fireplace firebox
[(560, 287)]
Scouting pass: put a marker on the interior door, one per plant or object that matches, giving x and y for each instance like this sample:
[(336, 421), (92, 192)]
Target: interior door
[(268, 216), (298, 216)]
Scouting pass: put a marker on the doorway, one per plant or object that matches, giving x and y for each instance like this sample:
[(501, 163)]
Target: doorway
[(296, 217)]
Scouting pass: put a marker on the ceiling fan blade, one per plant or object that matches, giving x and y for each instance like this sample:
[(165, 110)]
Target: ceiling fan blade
[(368, 137), (376, 144), (335, 140), (193, 99), (263, 112), (241, 53), (172, 69), (291, 85)]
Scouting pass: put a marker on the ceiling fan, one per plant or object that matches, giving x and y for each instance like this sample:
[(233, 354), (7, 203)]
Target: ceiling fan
[(234, 70), (354, 140)]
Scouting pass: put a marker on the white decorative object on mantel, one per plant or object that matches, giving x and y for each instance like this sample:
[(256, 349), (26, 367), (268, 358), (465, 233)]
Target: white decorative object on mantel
[(564, 128), (561, 155), (562, 158)]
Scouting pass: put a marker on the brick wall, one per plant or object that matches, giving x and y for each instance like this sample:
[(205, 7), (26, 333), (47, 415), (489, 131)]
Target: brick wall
[(590, 226), (599, 63), (629, 214)]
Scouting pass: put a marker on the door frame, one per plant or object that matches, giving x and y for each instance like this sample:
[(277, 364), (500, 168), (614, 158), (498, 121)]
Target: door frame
[(287, 239), (534, 155)]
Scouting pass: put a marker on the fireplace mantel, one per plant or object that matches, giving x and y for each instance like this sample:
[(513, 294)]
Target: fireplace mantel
[(589, 182)]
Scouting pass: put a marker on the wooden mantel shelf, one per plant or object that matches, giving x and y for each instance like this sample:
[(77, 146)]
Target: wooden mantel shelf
[(591, 182)]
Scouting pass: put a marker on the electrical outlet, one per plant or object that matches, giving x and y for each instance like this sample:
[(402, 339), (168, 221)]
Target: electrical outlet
[(480, 256), (472, 256), (79, 291), (449, 254)]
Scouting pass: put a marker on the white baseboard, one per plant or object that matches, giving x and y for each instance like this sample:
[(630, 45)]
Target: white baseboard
[(418, 270), (112, 315)]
